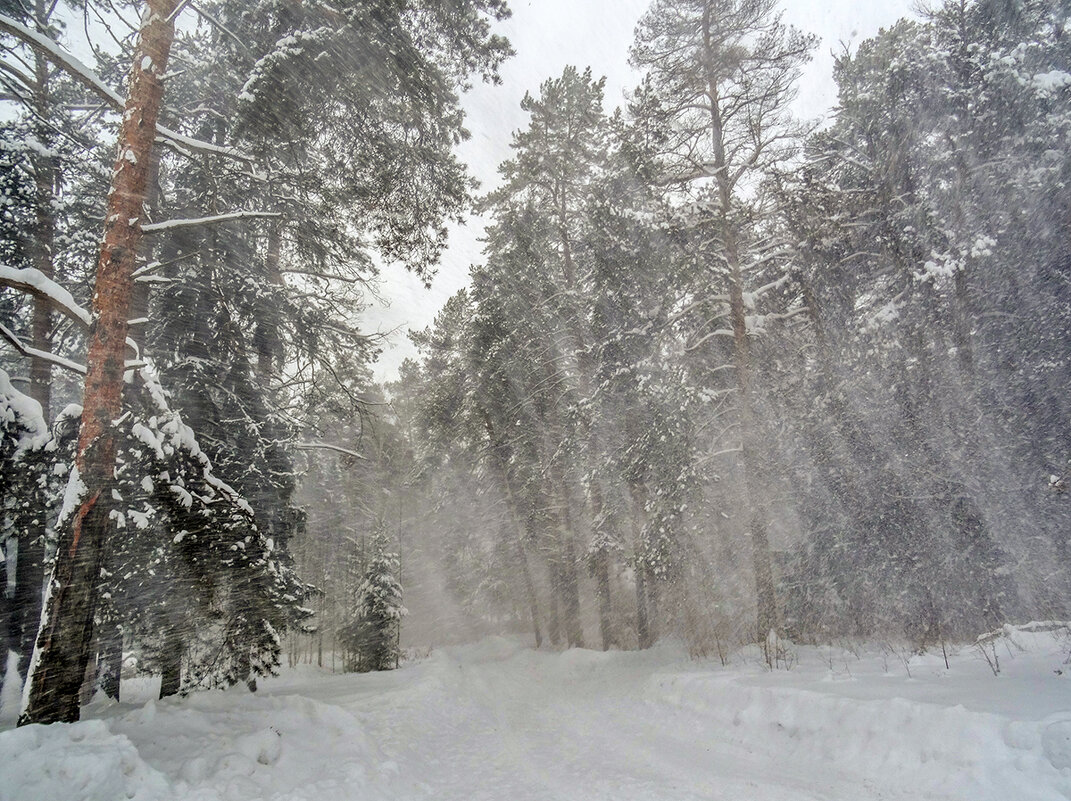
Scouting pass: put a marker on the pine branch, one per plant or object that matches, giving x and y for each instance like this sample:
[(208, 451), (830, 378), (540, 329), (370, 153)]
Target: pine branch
[(34, 282), (33, 353), (89, 79)]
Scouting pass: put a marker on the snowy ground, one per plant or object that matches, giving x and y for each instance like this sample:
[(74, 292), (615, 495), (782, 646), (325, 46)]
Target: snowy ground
[(496, 721)]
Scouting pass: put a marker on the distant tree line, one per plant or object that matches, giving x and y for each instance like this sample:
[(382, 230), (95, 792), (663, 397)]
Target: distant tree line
[(726, 377)]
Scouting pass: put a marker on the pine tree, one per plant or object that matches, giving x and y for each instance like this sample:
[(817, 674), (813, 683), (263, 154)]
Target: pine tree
[(373, 636), (411, 61), (63, 642), (723, 74), (53, 187), (913, 261)]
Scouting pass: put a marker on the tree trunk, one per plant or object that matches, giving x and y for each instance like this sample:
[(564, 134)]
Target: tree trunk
[(171, 664), (643, 621), (266, 336), (29, 586), (601, 565), (529, 587), (570, 584), (578, 329), (7, 628), (110, 660), (643, 626), (652, 607), (500, 463), (560, 495), (765, 593), (554, 626), (65, 638)]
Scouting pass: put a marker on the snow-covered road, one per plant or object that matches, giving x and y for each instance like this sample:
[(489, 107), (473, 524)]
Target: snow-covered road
[(575, 726), (496, 721)]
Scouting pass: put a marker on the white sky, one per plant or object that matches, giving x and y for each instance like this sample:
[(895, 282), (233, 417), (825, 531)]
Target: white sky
[(548, 35)]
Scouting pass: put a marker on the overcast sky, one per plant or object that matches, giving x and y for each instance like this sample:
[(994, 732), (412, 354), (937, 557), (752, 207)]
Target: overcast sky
[(548, 35)]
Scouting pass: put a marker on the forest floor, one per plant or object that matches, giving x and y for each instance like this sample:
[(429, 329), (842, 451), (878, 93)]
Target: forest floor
[(497, 721)]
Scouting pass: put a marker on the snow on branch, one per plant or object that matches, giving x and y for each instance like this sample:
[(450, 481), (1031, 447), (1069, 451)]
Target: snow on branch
[(178, 10), (317, 446), (203, 14), (721, 332), (85, 76), (34, 282), (33, 353), (724, 452), (26, 413), (170, 225), (199, 146)]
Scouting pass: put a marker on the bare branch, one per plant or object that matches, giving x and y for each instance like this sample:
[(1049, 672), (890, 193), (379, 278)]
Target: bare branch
[(318, 446), (170, 225)]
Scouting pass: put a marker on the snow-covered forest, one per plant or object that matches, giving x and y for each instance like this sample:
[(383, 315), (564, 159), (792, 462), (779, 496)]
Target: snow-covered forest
[(774, 403)]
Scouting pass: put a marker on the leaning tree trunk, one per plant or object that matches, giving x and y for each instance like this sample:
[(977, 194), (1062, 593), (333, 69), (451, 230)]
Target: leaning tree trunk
[(66, 634)]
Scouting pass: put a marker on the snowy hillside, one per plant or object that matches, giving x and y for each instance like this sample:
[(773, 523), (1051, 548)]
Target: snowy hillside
[(498, 721)]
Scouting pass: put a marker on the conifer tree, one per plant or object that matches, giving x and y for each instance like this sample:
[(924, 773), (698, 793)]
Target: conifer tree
[(374, 634), (723, 75)]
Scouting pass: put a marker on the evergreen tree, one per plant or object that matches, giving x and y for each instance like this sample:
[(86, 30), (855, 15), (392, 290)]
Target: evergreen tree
[(374, 634), (723, 75)]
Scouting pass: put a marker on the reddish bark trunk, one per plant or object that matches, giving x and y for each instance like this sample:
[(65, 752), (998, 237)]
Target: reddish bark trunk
[(64, 642)]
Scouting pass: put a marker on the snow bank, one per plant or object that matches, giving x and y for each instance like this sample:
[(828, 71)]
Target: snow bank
[(210, 747), (80, 762), (959, 732), (949, 751)]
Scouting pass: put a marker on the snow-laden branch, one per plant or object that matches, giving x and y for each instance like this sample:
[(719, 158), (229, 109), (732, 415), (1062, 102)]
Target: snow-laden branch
[(721, 332), (775, 284), (33, 353), (170, 225), (34, 282), (178, 10), (725, 452), (26, 413), (203, 14), (200, 146), (323, 446), (85, 76)]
